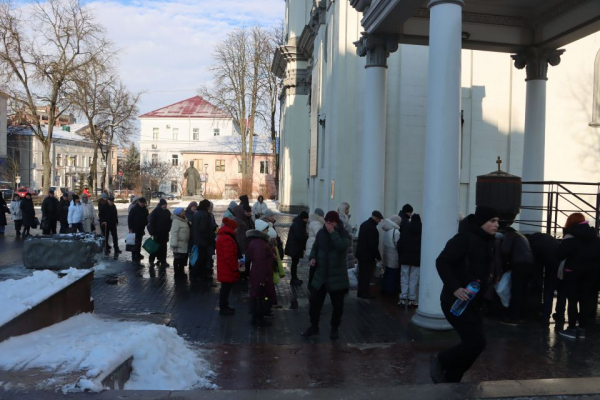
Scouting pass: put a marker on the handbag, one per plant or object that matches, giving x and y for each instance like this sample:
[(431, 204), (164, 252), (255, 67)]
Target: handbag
[(130, 239), (503, 288), (45, 225), (36, 223), (151, 245)]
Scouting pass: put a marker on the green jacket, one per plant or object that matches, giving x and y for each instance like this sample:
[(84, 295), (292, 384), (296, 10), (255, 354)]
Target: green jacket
[(330, 252)]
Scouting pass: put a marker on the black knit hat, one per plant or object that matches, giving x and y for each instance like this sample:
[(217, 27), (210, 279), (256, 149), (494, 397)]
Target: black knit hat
[(377, 214), (407, 208), (162, 202), (483, 214)]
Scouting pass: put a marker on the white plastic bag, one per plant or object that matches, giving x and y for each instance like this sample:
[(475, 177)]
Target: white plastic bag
[(503, 288), (130, 239), (352, 279)]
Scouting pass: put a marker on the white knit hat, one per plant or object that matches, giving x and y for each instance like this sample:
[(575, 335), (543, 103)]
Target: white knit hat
[(261, 225)]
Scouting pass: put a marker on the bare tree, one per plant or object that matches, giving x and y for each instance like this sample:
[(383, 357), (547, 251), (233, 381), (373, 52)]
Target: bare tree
[(9, 171), (155, 174), (239, 86), (39, 53)]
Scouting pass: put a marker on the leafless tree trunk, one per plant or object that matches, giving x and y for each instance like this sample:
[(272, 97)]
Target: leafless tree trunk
[(39, 53)]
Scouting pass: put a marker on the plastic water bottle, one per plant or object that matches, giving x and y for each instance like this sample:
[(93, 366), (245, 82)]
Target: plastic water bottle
[(460, 305)]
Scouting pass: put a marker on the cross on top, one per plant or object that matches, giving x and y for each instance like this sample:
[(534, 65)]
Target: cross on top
[(499, 162)]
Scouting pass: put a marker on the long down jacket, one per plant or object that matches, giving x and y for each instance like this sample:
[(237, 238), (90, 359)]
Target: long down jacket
[(330, 252), (180, 234), (297, 237), (582, 252), (388, 242), (227, 256), (260, 256), (315, 224)]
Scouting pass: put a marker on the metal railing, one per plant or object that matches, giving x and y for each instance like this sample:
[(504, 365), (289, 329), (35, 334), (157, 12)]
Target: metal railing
[(562, 199)]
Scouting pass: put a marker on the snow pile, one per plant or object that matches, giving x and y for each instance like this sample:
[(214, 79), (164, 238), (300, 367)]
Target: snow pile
[(18, 296), (162, 360)]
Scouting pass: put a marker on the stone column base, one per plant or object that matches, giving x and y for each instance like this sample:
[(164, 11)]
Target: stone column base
[(291, 209), (431, 321)]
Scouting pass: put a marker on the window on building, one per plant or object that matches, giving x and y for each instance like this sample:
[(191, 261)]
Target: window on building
[(90, 161), (175, 160), (174, 186), (69, 161), (216, 132), (219, 165), (154, 159), (58, 160), (74, 161), (155, 133), (196, 133), (175, 133), (264, 167)]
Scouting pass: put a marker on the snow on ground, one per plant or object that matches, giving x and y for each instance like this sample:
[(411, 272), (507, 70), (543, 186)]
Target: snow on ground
[(162, 360), (18, 296)]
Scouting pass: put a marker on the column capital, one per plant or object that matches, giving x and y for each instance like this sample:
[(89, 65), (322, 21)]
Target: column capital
[(376, 48), (433, 3), (536, 61)]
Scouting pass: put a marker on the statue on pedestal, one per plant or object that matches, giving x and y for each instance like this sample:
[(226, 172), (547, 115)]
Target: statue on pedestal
[(194, 183)]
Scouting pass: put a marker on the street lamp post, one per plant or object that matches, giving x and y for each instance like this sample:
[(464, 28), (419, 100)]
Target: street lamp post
[(205, 178)]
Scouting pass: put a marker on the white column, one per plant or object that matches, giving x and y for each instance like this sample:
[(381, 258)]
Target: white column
[(372, 174), (536, 61), (441, 185)]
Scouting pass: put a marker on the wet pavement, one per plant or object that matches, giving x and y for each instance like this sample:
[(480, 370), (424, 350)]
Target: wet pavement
[(378, 345)]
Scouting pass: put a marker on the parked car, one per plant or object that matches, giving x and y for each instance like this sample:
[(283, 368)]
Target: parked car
[(24, 190), (7, 194), (163, 195)]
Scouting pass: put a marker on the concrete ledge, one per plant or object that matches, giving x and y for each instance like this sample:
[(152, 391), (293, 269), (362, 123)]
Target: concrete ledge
[(484, 390), (58, 252), (291, 209), (72, 300)]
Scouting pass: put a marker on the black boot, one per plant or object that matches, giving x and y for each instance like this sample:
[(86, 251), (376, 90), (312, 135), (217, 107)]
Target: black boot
[(311, 331)]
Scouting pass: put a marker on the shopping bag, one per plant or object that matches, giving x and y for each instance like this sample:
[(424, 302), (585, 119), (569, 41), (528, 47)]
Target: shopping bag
[(503, 288), (130, 239), (151, 245), (45, 225), (36, 223)]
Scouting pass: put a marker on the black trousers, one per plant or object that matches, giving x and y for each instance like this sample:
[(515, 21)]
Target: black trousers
[(224, 295), (365, 272), (64, 226), (578, 286), (311, 274), (136, 255), (18, 225), (52, 223), (294, 267), (552, 284), (520, 276), (469, 325), (317, 299), (161, 253), (199, 270), (108, 231)]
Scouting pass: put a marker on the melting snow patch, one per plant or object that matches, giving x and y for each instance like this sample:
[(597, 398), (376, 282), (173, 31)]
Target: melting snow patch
[(162, 360)]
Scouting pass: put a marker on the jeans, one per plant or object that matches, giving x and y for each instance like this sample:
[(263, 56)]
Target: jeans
[(64, 227), (459, 359), (78, 227), (224, 295), (317, 298), (52, 230), (365, 272), (409, 281), (111, 230)]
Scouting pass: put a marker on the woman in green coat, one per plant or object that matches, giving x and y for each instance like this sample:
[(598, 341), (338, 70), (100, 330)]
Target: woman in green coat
[(328, 255)]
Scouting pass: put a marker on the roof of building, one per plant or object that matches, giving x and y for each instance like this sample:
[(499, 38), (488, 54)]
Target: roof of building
[(57, 133), (194, 107)]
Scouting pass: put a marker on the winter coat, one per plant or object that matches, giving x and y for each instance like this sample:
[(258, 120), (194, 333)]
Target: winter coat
[(467, 257), (15, 210), (3, 210), (227, 256), (582, 252), (63, 211), (405, 221), (388, 242), (515, 250), (203, 229), (315, 224), (108, 214), (75, 214), (367, 248), (297, 238), (409, 248), (330, 252), (260, 256), (259, 209), (159, 222), (51, 208), (545, 249), (28, 211), (180, 235), (137, 220), (89, 212), (244, 224), (133, 203)]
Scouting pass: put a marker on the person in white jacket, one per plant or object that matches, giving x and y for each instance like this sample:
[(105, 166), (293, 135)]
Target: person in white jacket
[(17, 214), (179, 240), (89, 214), (316, 222), (388, 240), (75, 215), (259, 208)]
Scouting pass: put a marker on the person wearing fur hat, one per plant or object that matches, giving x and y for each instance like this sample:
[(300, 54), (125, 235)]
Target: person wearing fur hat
[(296, 243), (367, 253), (228, 264), (467, 257), (260, 257), (179, 239), (159, 226), (388, 242), (328, 257), (137, 220)]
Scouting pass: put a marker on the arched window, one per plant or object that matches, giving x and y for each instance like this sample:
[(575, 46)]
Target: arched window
[(596, 105)]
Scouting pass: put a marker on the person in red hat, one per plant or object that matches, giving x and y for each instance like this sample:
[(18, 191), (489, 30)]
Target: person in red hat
[(228, 254)]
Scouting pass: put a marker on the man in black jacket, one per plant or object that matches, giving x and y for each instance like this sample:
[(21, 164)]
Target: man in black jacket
[(50, 209), (367, 253), (296, 243), (159, 226), (109, 219), (137, 221), (467, 257), (63, 213), (405, 214), (204, 237)]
